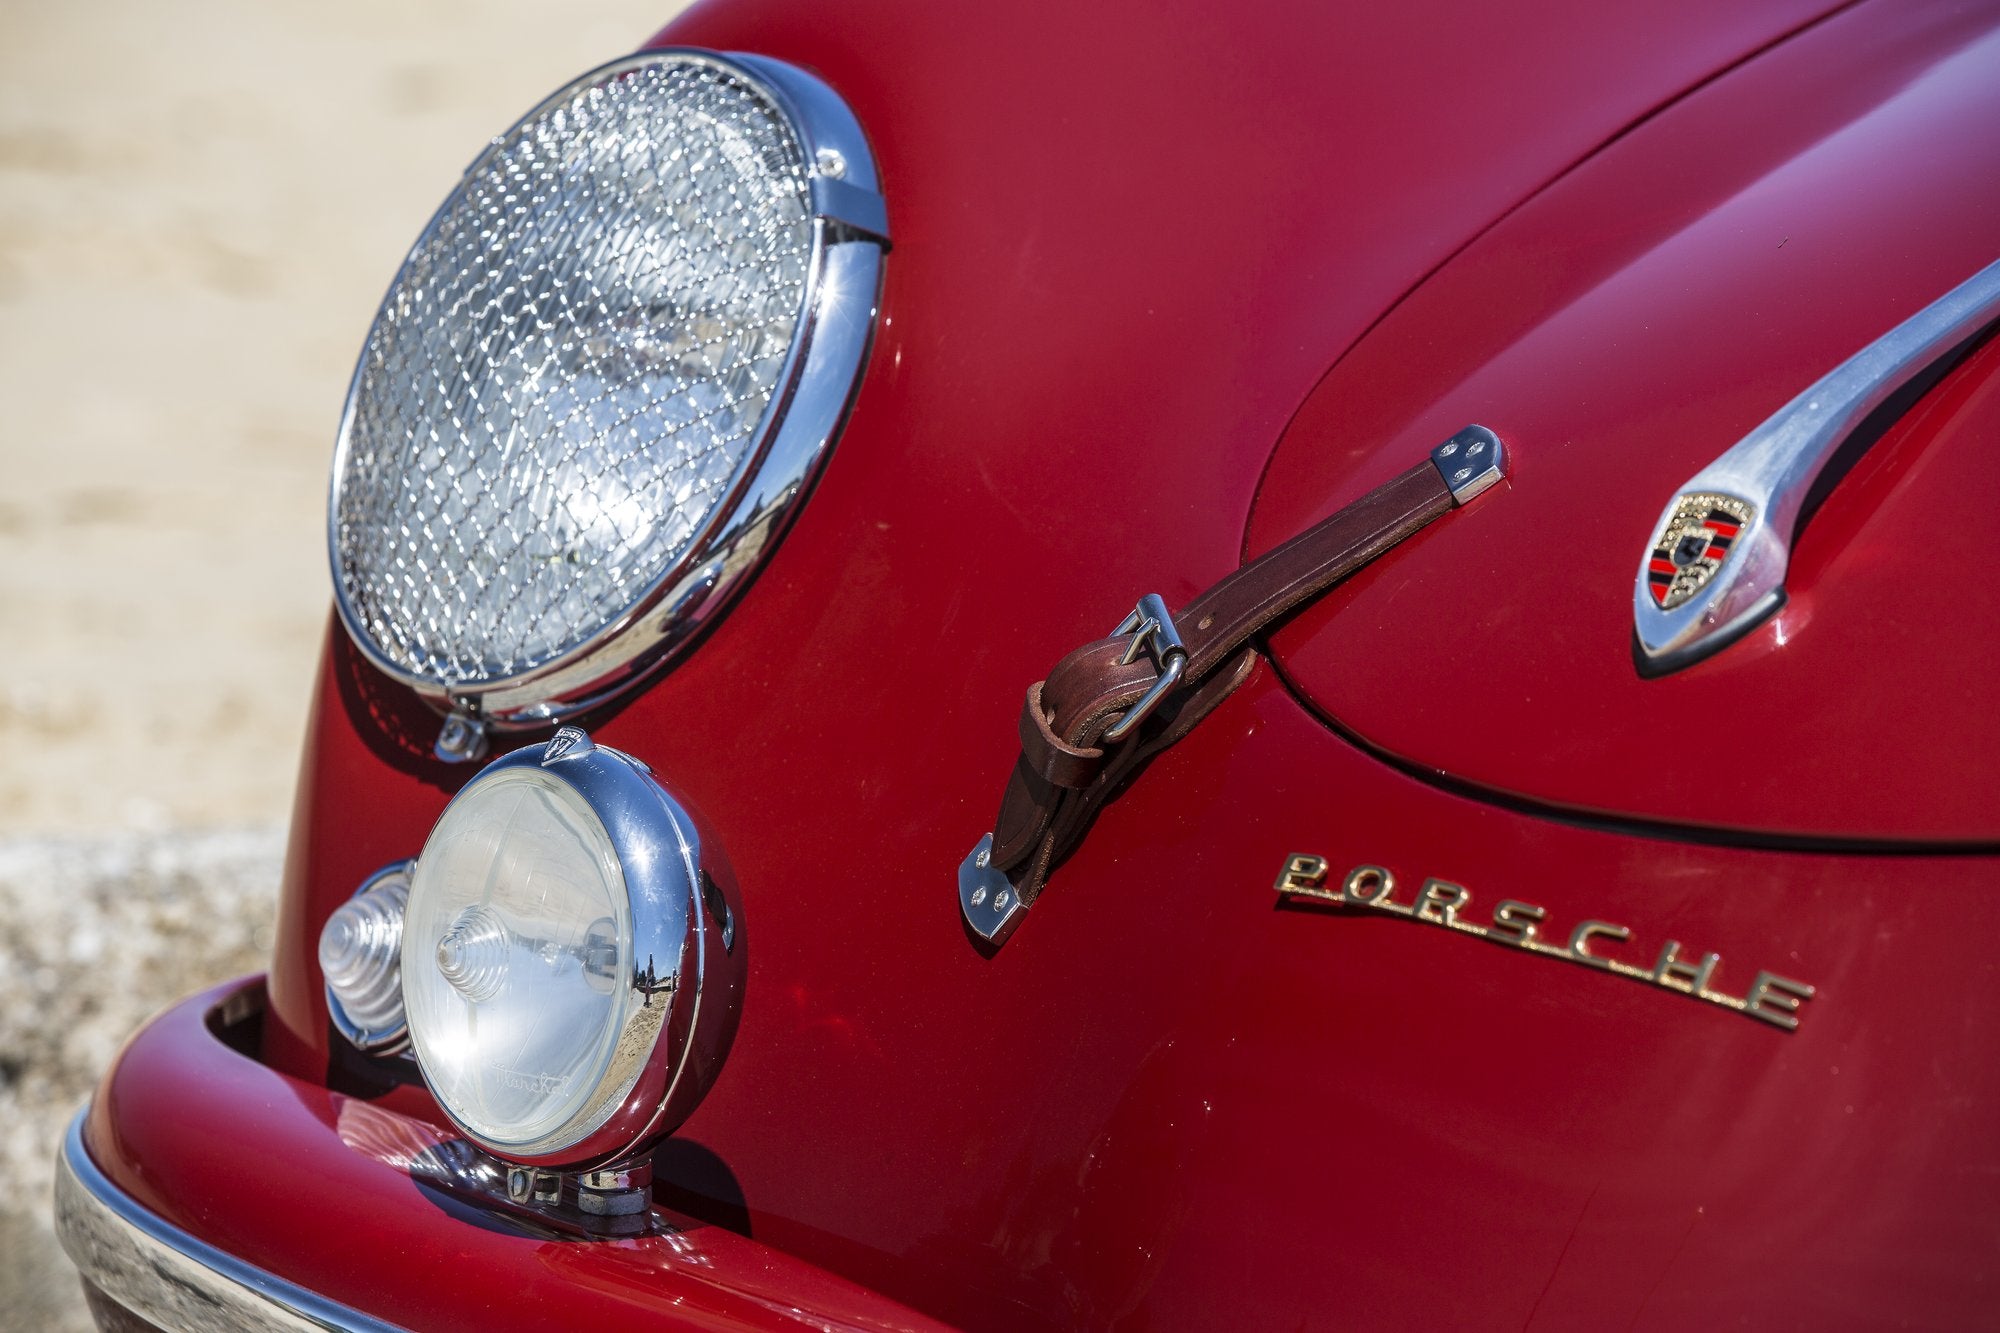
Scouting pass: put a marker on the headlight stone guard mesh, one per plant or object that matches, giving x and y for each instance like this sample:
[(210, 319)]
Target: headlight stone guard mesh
[(577, 367)]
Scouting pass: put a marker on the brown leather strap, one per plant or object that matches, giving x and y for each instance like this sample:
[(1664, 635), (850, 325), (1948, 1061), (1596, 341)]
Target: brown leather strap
[(1067, 771)]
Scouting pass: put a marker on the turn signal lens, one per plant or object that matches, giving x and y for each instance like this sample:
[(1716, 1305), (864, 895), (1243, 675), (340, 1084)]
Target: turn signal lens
[(360, 954)]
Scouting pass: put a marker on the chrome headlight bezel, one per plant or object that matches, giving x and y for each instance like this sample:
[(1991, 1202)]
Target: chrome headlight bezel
[(680, 1015), (789, 446)]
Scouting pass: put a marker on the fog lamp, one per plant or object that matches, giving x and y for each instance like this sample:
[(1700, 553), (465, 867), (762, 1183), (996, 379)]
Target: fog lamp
[(571, 957)]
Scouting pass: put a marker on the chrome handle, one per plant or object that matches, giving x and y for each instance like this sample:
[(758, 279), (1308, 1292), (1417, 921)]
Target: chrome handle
[(1716, 564)]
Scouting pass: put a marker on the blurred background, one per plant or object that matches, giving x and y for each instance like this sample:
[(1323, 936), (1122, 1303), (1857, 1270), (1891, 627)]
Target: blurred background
[(200, 205)]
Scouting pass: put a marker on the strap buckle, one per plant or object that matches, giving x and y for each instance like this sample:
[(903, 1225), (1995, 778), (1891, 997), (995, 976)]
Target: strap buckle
[(1153, 633)]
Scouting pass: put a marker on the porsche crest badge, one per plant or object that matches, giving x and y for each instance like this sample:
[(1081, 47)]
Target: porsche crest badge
[(1696, 542)]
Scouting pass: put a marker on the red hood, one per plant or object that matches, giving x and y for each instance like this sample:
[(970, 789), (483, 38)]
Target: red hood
[(1116, 276), (1620, 332), (1118, 271)]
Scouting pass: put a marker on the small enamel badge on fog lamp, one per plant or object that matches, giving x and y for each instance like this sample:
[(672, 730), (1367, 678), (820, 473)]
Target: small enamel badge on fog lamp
[(572, 959)]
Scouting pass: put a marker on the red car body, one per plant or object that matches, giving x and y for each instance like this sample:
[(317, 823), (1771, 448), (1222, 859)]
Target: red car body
[(1167, 287)]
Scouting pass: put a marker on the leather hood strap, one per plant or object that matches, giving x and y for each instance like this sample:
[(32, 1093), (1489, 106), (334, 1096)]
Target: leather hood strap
[(1070, 763)]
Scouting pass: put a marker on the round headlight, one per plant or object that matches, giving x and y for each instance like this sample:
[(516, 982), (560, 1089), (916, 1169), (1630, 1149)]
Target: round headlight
[(571, 967), (604, 376)]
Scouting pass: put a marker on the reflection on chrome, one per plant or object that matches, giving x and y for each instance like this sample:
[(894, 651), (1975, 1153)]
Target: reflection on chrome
[(167, 1278), (545, 1201)]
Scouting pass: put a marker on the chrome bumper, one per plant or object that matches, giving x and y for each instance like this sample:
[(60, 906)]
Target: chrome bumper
[(162, 1274)]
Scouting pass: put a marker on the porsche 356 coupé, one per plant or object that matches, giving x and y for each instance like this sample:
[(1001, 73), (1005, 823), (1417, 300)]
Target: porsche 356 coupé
[(1087, 666)]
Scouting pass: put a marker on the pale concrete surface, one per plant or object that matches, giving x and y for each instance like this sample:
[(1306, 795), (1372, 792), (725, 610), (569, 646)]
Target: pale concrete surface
[(200, 205), (102, 930)]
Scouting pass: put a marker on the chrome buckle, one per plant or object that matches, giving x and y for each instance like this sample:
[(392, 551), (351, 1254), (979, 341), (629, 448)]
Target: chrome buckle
[(1153, 633)]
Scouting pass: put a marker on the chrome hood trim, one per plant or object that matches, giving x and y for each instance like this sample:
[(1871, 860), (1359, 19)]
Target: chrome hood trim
[(1715, 566)]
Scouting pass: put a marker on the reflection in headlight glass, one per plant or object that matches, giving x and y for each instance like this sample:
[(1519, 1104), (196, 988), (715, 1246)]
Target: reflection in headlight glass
[(518, 929)]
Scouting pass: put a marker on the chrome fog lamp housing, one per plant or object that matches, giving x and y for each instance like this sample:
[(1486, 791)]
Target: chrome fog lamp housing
[(572, 957), (602, 381)]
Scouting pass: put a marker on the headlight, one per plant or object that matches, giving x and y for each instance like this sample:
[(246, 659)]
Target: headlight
[(571, 967), (605, 374)]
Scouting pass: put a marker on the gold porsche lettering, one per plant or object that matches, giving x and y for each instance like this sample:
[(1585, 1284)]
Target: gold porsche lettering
[(1515, 923), (1301, 872), (1771, 998)]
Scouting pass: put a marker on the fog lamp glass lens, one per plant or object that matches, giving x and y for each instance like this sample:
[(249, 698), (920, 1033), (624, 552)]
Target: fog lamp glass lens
[(360, 952), (517, 930)]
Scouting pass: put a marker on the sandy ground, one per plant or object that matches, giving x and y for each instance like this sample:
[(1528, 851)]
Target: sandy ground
[(200, 204)]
